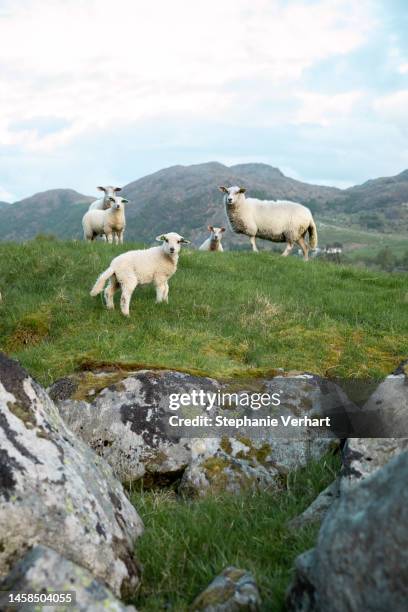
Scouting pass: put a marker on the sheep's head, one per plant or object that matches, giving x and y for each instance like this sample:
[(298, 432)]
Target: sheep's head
[(233, 195), (118, 203), (109, 190), (216, 232), (171, 242)]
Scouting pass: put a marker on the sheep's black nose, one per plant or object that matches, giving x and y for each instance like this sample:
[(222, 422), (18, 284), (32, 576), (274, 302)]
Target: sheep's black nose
[(171, 250), (230, 200)]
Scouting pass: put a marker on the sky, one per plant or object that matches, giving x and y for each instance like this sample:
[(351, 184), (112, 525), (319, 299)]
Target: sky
[(99, 92)]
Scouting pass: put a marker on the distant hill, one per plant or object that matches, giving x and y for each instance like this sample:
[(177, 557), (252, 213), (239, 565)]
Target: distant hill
[(57, 211), (186, 199)]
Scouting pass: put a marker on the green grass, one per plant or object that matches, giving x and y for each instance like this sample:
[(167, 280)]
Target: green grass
[(232, 314), (186, 544)]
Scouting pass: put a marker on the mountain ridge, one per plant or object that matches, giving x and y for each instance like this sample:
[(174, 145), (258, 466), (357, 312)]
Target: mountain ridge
[(186, 198)]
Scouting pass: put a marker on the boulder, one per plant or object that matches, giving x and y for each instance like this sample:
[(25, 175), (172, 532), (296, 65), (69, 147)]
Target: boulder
[(385, 413), (363, 456), (43, 571), (124, 417), (234, 590), (361, 558), (55, 491)]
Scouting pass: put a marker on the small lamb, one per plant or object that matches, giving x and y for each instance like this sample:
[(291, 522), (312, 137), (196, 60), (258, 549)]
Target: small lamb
[(275, 220), (213, 243), (155, 265), (110, 223), (105, 202)]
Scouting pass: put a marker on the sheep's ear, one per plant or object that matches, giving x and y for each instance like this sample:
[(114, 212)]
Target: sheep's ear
[(184, 241), (223, 229), (223, 189), (242, 190), (125, 200), (210, 228), (160, 238), (101, 188), (117, 189)]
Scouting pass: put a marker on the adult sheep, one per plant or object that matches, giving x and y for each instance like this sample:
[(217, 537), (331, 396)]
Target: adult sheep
[(275, 220), (110, 223), (105, 202)]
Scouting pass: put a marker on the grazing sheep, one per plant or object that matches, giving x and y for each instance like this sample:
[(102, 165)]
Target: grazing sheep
[(110, 223), (105, 202), (155, 265), (213, 243), (275, 220)]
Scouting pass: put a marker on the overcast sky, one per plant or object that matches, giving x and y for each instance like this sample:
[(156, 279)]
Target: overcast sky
[(102, 91)]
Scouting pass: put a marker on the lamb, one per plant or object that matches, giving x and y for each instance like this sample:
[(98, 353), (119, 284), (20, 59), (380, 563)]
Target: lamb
[(105, 202), (275, 220), (110, 223), (213, 243), (155, 265)]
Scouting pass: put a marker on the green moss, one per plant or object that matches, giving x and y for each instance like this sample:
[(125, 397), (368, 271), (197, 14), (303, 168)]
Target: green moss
[(22, 412), (226, 445), (212, 597), (90, 384), (30, 330)]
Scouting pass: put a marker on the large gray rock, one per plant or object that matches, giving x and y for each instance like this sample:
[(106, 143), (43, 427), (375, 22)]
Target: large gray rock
[(44, 571), (55, 491), (385, 414), (234, 590), (361, 558), (364, 456), (124, 418)]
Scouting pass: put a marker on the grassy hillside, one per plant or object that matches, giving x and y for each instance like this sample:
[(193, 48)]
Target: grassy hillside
[(231, 314)]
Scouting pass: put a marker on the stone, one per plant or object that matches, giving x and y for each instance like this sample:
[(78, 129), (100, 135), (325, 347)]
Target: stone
[(360, 561), (44, 571), (318, 508), (124, 418), (55, 491), (234, 590)]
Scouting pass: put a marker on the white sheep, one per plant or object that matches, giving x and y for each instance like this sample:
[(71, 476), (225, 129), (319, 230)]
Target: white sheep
[(105, 202), (110, 223), (155, 265), (213, 243), (275, 220)]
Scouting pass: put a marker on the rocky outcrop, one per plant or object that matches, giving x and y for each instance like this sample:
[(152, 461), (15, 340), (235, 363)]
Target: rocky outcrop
[(125, 418), (360, 561), (234, 590), (43, 571), (57, 492)]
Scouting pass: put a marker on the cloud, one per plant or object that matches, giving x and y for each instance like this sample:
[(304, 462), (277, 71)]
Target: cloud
[(324, 109), (93, 65), (393, 106)]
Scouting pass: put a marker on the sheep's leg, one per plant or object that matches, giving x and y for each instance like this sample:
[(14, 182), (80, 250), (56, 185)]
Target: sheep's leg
[(304, 248), (109, 292), (162, 292), (109, 238), (127, 289), (289, 247), (120, 237), (253, 242)]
